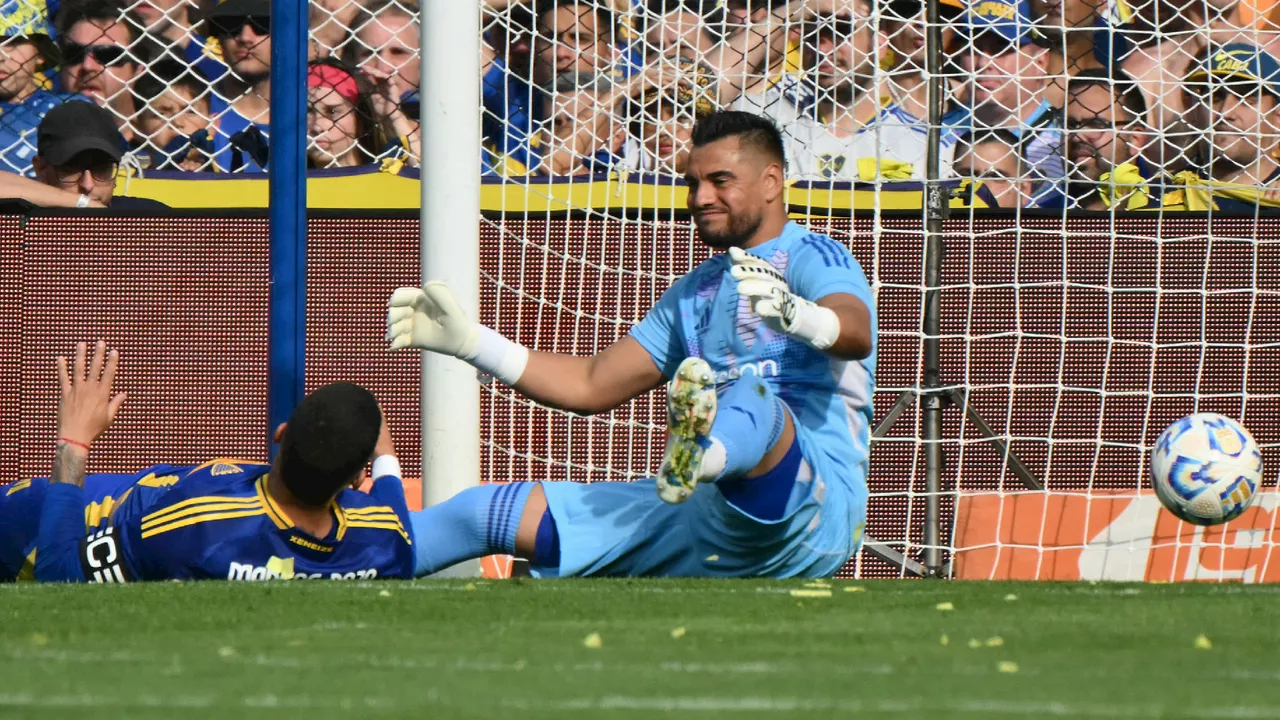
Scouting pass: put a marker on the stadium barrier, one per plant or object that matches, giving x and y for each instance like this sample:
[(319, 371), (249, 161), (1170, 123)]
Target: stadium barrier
[(1077, 343)]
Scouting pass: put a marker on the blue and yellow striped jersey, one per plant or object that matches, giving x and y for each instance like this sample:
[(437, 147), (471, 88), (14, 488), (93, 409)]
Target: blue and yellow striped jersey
[(216, 521)]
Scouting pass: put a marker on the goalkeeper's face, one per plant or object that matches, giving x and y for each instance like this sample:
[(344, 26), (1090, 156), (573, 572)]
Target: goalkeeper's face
[(730, 188)]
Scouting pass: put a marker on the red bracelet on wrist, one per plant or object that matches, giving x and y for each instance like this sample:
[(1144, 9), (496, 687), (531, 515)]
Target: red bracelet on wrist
[(77, 443)]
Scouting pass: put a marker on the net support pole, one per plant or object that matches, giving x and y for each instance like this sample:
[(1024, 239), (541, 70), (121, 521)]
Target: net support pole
[(287, 218), (450, 118), (937, 206)]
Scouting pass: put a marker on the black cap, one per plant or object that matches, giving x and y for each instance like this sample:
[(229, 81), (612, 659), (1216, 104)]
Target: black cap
[(75, 127), (241, 8)]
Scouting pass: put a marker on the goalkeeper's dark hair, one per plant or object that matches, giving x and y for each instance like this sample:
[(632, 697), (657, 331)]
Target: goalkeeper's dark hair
[(755, 131), (329, 439)]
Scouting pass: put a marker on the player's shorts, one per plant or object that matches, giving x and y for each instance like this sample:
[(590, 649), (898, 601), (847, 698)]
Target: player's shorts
[(623, 529)]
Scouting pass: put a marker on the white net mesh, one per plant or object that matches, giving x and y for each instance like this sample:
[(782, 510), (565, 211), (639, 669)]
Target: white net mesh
[(1129, 278)]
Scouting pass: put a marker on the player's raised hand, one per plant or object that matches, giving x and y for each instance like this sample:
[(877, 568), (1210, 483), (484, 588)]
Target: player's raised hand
[(764, 288), (429, 318), (87, 407)]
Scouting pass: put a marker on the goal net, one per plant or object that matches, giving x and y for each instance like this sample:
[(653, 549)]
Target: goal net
[(1125, 279), (1110, 261)]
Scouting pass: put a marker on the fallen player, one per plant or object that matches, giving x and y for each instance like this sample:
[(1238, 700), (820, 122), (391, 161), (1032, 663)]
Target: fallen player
[(226, 519), (769, 350)]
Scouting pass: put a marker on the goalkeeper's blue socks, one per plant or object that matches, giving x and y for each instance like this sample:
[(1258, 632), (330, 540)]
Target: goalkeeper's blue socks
[(474, 523), (749, 421)]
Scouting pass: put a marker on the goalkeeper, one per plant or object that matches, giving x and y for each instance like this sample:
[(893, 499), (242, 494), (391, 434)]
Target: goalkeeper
[(226, 519), (769, 351)]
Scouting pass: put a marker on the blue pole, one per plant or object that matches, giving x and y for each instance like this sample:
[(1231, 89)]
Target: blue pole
[(286, 326)]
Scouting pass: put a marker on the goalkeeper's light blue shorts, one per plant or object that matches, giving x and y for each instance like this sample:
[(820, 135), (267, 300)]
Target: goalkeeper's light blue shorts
[(623, 529)]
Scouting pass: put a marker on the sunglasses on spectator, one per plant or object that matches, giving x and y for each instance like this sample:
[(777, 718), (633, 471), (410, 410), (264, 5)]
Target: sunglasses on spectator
[(231, 26), (101, 171), (105, 55)]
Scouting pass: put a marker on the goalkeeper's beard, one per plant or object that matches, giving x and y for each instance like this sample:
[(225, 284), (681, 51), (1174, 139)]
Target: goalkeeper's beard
[(737, 233)]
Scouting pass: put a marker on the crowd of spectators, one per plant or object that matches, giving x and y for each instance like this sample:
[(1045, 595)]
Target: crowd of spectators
[(1046, 103)]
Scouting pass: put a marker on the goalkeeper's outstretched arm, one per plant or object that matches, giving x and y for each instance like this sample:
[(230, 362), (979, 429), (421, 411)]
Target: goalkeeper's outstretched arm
[(429, 318)]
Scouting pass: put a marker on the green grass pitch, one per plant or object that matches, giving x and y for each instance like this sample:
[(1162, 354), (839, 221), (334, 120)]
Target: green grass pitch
[(517, 649)]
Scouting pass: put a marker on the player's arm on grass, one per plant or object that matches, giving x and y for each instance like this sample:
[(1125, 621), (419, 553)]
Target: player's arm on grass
[(823, 299), (429, 318), (86, 409)]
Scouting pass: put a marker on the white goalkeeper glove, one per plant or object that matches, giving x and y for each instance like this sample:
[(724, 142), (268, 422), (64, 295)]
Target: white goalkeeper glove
[(429, 318), (783, 311)]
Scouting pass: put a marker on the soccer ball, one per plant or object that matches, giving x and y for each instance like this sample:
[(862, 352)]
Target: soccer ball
[(1206, 468)]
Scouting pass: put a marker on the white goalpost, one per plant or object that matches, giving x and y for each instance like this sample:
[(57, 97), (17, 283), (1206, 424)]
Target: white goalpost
[(450, 126)]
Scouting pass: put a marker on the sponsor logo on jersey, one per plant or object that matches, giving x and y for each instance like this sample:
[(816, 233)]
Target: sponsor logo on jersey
[(224, 469), (282, 569), (762, 368)]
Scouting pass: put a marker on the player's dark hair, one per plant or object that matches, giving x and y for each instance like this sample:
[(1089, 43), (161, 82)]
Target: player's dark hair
[(1123, 89), (329, 439), (755, 131)]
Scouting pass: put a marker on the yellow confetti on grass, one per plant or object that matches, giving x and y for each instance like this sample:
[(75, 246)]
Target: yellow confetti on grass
[(1203, 643), (975, 643), (678, 633), (226, 652), (855, 588), (811, 593), (945, 606), (1006, 666), (593, 641), (944, 640), (817, 584), (469, 586), (384, 593), (39, 639), (1010, 597), (995, 641)]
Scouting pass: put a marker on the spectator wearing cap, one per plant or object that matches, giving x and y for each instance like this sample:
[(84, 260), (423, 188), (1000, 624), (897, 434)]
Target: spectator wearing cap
[(25, 52), (79, 151), (241, 105), (1232, 99), (1005, 59), (97, 60), (1106, 133)]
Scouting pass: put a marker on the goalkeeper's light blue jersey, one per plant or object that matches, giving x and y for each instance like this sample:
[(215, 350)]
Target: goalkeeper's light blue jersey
[(216, 521), (702, 315)]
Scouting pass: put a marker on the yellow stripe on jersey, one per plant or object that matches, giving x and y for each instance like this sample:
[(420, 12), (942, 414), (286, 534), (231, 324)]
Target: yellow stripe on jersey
[(199, 510), (341, 515), (159, 515), (379, 525), (371, 510), (380, 517), (28, 571), (155, 482), (207, 517), (273, 511), (17, 487), (94, 512)]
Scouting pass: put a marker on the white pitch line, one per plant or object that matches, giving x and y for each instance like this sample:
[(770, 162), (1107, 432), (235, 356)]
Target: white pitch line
[(987, 708)]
